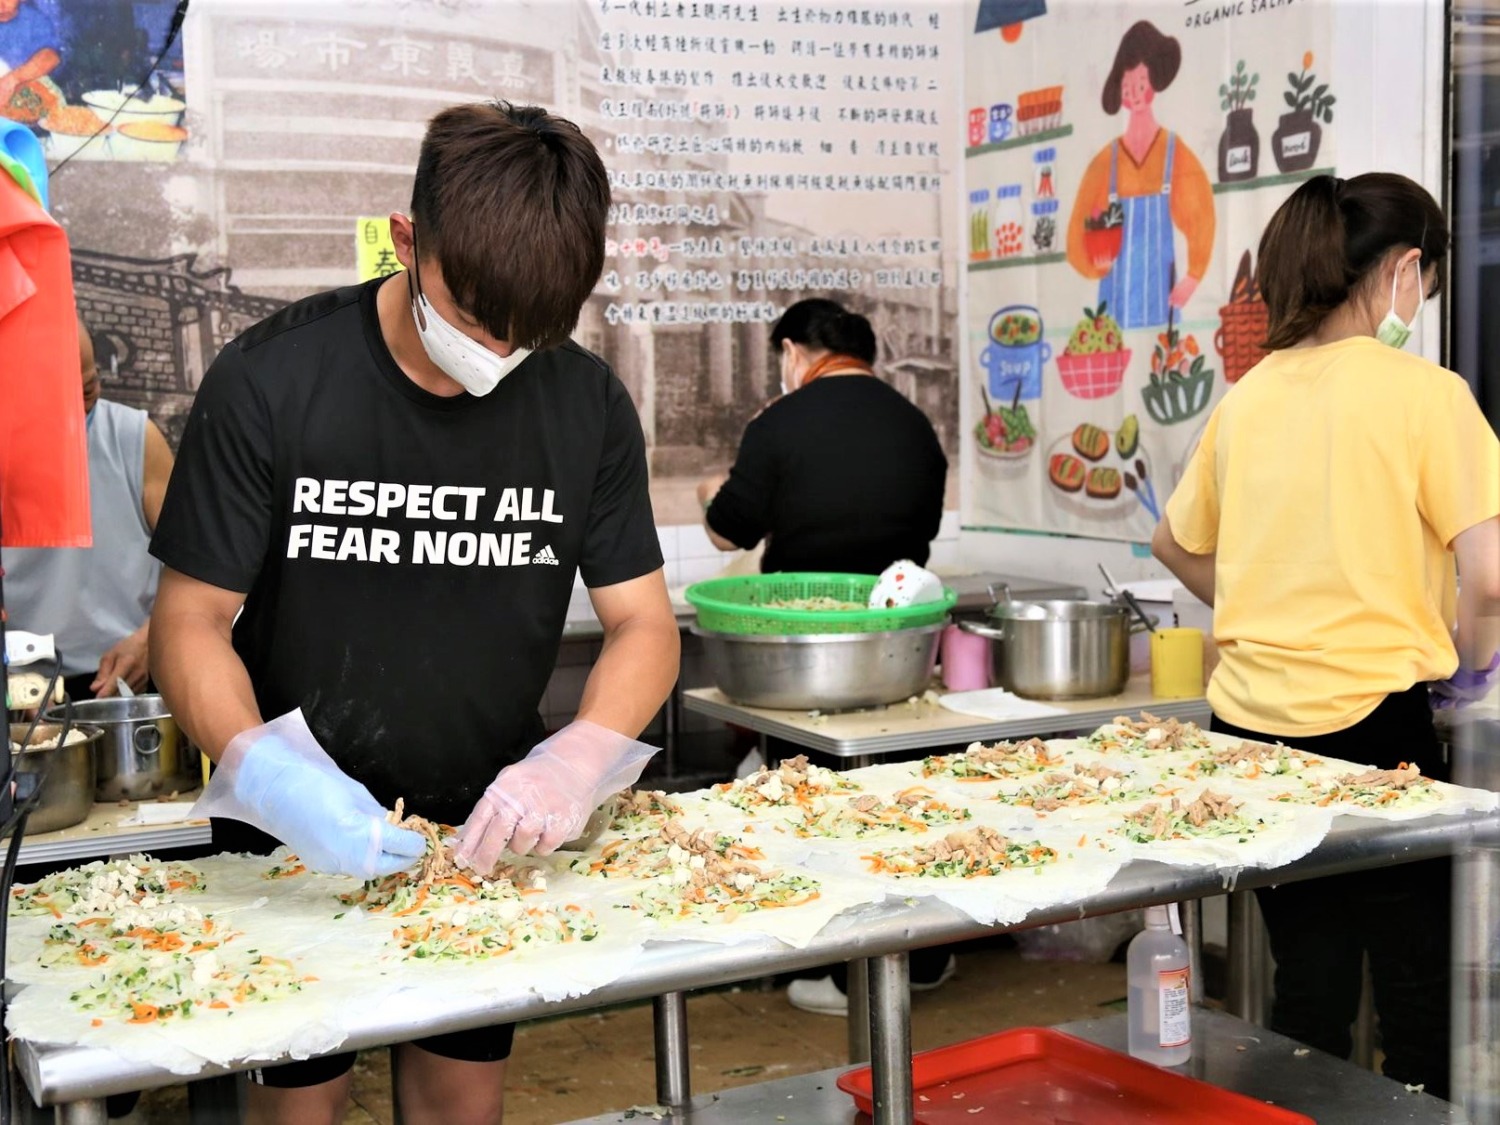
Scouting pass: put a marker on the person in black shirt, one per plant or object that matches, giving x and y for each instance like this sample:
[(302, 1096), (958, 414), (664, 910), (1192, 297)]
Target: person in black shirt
[(844, 475), (841, 474), (393, 485)]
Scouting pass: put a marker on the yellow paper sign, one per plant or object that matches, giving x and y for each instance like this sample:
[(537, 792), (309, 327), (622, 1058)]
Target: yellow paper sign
[(373, 250)]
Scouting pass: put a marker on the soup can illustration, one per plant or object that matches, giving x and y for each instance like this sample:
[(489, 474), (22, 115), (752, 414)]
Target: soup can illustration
[(1015, 354)]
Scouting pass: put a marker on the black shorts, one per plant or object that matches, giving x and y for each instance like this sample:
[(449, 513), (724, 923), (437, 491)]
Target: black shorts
[(479, 1044)]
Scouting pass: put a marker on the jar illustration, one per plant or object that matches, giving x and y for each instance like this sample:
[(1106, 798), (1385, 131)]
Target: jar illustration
[(1008, 226), (1239, 148), (1001, 122), (979, 225), (1045, 160), (1044, 225), (978, 125)]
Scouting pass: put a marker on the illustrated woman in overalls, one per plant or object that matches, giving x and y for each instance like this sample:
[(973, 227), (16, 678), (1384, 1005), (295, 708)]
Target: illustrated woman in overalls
[(1138, 191)]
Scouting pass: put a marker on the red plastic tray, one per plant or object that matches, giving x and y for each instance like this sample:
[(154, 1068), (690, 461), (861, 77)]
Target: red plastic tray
[(1036, 1076)]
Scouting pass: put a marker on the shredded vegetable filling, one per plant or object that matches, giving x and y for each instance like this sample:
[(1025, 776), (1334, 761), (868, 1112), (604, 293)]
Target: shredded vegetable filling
[(1211, 815), (912, 810), (794, 782), (1148, 735), (988, 763), (1372, 789), (970, 854)]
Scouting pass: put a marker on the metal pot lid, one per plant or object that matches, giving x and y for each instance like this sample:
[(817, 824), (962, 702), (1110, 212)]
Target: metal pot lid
[(1057, 611), (116, 709)]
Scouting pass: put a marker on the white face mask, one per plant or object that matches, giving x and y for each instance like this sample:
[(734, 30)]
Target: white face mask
[(788, 385), (469, 364), (1393, 330)]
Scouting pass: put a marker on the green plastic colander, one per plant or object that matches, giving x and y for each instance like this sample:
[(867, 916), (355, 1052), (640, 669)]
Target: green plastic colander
[(746, 605)]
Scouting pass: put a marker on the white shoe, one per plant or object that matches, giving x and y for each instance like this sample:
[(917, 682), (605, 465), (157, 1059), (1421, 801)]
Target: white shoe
[(944, 977), (821, 996)]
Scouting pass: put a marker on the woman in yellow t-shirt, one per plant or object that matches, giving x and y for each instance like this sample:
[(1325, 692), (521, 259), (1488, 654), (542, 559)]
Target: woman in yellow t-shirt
[(1320, 516)]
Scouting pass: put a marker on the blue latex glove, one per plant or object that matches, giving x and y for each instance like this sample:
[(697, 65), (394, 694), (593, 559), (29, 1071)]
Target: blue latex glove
[(330, 820), (1464, 687)]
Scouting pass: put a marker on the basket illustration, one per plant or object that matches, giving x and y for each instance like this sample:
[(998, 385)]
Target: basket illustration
[(1037, 111), (1178, 397), (748, 604), (1242, 329), (1093, 376)]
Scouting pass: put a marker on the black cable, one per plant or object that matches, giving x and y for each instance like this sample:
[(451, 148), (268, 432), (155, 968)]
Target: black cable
[(15, 824), (177, 17)]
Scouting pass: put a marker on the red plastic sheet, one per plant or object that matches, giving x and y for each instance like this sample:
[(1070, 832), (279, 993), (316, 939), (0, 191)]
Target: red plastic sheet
[(44, 468)]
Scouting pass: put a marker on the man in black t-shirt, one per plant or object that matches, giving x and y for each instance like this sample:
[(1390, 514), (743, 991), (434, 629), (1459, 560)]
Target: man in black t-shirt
[(393, 486)]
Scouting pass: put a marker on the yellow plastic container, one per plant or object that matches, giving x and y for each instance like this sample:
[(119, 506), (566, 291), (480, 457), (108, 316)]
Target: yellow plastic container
[(1177, 663)]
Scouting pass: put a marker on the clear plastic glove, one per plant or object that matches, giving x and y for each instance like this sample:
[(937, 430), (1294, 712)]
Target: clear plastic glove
[(277, 778), (544, 800), (1464, 687)]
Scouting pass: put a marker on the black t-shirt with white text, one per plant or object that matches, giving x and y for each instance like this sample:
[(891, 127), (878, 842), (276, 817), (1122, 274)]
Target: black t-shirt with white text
[(407, 558)]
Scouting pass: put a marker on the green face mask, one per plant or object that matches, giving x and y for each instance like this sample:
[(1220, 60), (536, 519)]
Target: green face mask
[(1393, 330)]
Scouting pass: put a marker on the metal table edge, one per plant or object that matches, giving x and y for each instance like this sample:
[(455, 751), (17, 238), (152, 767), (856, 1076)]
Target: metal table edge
[(57, 1075), (981, 730)]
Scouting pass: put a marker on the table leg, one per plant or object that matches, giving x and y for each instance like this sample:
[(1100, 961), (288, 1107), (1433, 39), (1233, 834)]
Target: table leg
[(672, 728), (890, 1034), (765, 753), (673, 1067), (1476, 1015), (859, 761), (858, 985), (1249, 959), (1191, 913), (90, 1111)]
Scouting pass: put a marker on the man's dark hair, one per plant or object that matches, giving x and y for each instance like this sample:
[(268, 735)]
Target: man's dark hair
[(512, 201)]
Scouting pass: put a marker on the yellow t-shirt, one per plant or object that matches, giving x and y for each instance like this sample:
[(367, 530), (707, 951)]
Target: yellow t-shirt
[(1331, 483)]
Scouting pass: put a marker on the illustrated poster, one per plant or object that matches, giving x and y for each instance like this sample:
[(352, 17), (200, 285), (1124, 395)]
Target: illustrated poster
[(1121, 161)]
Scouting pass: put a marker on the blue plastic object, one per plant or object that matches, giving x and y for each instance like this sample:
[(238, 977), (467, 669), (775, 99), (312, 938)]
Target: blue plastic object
[(21, 156)]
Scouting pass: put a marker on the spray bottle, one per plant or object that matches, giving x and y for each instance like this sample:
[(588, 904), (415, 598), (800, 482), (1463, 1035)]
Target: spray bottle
[(1160, 1006)]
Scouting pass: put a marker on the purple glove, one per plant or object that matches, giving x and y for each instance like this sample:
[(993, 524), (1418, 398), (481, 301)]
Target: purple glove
[(1464, 687)]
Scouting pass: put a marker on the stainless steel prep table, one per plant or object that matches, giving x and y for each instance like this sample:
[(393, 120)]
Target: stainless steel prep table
[(862, 736), (77, 1078), (1227, 1052)]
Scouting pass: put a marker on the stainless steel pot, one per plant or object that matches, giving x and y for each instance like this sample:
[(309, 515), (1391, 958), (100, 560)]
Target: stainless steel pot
[(1058, 649), (67, 772), (823, 672), (143, 752)]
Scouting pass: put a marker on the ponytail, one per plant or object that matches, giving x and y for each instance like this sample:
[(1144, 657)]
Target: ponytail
[(1329, 240)]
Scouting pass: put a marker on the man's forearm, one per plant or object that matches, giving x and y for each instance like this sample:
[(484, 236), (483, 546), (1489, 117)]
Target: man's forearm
[(202, 678), (633, 675)]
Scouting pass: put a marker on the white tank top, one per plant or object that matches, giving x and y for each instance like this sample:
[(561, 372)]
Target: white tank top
[(91, 598)]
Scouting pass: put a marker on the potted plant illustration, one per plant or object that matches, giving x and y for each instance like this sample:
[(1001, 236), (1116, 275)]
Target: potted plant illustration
[(1239, 147), (1298, 135), (1181, 381)]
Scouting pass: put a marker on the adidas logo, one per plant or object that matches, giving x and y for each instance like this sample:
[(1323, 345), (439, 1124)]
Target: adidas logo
[(544, 557)]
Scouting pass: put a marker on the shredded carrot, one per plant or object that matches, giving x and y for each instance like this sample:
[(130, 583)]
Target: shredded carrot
[(96, 1023), (218, 1004), (421, 900), (143, 1013)]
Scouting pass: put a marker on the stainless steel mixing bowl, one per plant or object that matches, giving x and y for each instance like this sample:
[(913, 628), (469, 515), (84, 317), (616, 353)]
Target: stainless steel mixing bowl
[(822, 672)]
